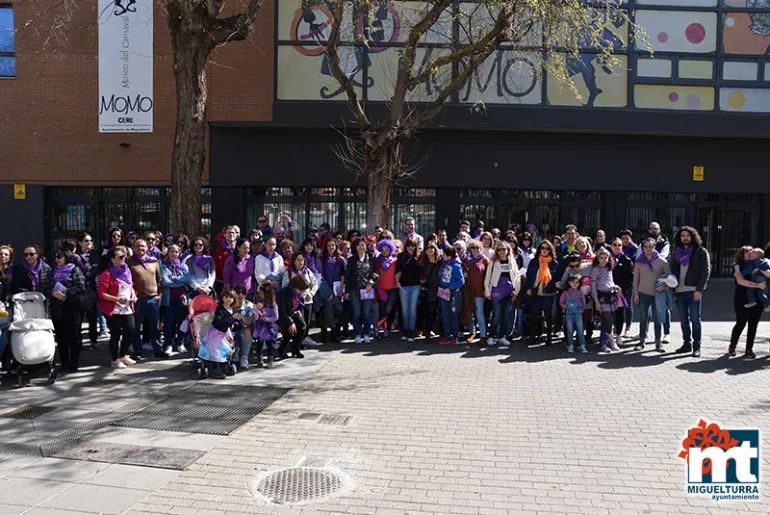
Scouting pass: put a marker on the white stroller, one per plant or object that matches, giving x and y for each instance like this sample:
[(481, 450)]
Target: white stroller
[(32, 340)]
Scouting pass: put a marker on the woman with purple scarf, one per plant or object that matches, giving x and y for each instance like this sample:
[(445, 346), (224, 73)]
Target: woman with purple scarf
[(32, 274), (200, 265), (175, 276), (239, 268), (69, 287), (387, 287)]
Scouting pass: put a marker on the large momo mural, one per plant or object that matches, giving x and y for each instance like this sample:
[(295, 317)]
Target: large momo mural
[(709, 55)]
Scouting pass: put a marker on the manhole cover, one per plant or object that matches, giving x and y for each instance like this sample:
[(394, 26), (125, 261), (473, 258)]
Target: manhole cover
[(103, 383), (335, 420), (295, 485), (28, 412)]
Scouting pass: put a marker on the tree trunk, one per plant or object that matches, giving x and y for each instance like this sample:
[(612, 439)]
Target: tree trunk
[(383, 165), (191, 51)]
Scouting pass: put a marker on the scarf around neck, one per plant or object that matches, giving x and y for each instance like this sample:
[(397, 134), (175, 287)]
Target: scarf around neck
[(310, 263), (272, 259), (643, 258), (683, 255), (203, 261), (121, 273), (385, 262), (34, 273), (61, 273), (176, 266), (226, 245), (544, 272), (410, 235), (631, 250), (146, 260), (477, 261)]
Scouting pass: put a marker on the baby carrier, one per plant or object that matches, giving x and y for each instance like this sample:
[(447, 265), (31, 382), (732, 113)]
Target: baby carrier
[(32, 340)]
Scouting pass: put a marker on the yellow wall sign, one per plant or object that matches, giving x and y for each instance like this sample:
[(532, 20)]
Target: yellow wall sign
[(20, 191), (697, 173)]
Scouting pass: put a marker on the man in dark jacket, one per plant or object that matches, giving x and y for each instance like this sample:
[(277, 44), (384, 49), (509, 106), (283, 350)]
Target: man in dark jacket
[(290, 317), (691, 265)]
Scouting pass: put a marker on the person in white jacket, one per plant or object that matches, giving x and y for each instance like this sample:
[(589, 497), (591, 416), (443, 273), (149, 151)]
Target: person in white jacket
[(501, 285), (298, 266), (269, 266)]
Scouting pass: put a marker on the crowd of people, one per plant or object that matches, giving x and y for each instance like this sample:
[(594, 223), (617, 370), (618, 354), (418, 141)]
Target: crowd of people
[(482, 287)]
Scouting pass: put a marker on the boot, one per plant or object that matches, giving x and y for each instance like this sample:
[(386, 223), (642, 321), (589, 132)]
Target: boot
[(336, 334), (269, 363), (324, 334), (215, 372), (659, 347)]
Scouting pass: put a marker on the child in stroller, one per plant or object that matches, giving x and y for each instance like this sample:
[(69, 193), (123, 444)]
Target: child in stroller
[(216, 349)]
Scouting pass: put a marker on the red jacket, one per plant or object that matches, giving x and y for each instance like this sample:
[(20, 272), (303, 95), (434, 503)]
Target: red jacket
[(220, 256), (109, 285)]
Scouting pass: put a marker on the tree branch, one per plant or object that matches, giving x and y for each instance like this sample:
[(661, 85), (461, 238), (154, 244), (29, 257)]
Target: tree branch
[(233, 28), (339, 73)]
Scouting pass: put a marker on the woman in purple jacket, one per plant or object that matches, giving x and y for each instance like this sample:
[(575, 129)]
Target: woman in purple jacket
[(239, 268)]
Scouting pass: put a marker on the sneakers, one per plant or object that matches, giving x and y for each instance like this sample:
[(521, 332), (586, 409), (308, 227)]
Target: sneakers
[(767, 308), (444, 341), (244, 364), (731, 351), (182, 349), (410, 339), (614, 344), (666, 338), (357, 339), (571, 349), (639, 346), (367, 339), (128, 361), (659, 347), (696, 353), (491, 342), (627, 334), (269, 363), (749, 354), (750, 305), (583, 349), (684, 349), (297, 355), (504, 341), (168, 352), (604, 348), (453, 341), (403, 337), (118, 363)]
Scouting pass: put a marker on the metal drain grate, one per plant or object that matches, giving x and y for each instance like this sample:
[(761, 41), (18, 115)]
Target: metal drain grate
[(295, 485), (335, 420), (28, 412), (204, 408), (103, 383), (309, 416), (21, 449), (313, 461)]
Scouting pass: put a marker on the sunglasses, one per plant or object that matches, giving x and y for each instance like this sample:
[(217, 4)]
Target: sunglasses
[(199, 244), (261, 221), (617, 245), (544, 248), (88, 241), (120, 257), (280, 233), (150, 239), (30, 254)]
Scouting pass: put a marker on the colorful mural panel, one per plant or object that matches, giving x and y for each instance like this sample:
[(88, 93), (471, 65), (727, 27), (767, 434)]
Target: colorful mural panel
[(597, 85), (691, 69), (679, 31), (674, 97), (307, 77), (384, 68), (745, 100), (657, 68), (747, 33)]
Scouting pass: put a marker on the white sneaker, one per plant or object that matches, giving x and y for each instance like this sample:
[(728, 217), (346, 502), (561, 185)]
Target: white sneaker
[(309, 342), (403, 338), (118, 364), (244, 363), (367, 339), (491, 342), (358, 339), (666, 338), (182, 349), (410, 339), (127, 360), (637, 336), (627, 334), (614, 343), (504, 341), (168, 352)]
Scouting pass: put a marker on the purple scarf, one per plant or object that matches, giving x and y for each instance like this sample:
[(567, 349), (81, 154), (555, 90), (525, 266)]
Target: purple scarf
[(683, 255), (147, 259), (272, 263), (631, 250), (476, 260), (297, 302), (643, 258), (121, 273), (409, 258), (385, 262), (176, 266), (203, 261), (226, 245), (410, 235), (476, 233), (33, 272), (61, 273), (310, 263)]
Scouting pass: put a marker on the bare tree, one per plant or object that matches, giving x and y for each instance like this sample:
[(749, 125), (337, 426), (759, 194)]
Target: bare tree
[(196, 28), (474, 31)]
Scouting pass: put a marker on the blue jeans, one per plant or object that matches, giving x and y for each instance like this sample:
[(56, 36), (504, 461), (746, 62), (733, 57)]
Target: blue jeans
[(175, 314), (2, 344), (647, 303), (385, 313), (665, 299), (629, 313), (243, 343), (409, 297), (575, 322), (689, 314), (478, 319), (450, 311), (362, 309), (149, 310), (502, 318)]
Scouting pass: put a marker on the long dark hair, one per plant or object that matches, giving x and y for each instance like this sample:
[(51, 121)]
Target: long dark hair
[(425, 259), (551, 251), (308, 241), (325, 251), (238, 243), (267, 290), (694, 236), (206, 248), (740, 258)]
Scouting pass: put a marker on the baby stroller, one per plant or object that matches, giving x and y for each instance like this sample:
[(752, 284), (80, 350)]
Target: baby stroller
[(201, 316), (32, 341)]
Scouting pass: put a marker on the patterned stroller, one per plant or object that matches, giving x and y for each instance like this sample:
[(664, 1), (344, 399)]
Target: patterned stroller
[(201, 317)]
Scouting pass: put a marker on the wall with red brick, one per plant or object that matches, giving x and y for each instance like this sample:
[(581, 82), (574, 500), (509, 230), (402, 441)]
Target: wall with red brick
[(49, 113)]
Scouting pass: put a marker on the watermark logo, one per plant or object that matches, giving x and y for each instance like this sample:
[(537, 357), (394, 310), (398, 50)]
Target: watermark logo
[(722, 464)]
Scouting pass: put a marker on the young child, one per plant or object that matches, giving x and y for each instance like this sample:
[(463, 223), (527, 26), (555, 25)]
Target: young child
[(573, 302), (265, 317), (756, 262), (451, 281), (604, 292), (218, 344), (242, 331), (577, 266)]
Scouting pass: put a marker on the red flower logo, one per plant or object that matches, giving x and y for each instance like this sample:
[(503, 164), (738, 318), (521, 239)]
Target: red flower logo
[(704, 436)]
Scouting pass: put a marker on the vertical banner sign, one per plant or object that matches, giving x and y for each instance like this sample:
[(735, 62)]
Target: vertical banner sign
[(125, 65)]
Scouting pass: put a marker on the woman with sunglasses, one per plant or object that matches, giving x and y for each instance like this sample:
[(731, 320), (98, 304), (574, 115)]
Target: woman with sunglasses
[(623, 275), (408, 272), (298, 266), (116, 301), (89, 262), (200, 264), (32, 274), (501, 286), (541, 287), (475, 267), (69, 286)]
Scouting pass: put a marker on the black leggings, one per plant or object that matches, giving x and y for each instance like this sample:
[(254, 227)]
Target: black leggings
[(124, 325), (429, 315), (745, 316), (68, 337), (620, 320)]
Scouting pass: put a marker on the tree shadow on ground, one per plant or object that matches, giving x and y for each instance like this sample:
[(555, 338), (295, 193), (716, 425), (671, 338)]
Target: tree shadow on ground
[(737, 365)]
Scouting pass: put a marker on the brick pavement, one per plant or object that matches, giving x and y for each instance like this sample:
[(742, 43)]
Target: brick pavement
[(440, 430)]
